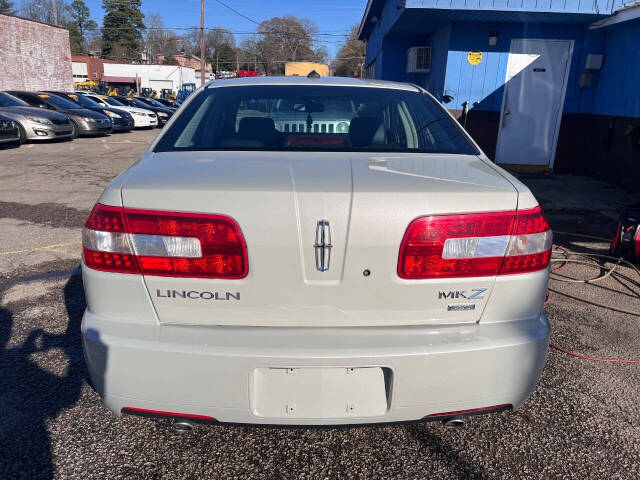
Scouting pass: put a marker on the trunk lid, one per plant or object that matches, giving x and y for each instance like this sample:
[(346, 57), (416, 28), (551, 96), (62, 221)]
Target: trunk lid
[(279, 198)]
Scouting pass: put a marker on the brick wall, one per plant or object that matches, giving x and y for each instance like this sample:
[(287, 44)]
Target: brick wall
[(33, 55)]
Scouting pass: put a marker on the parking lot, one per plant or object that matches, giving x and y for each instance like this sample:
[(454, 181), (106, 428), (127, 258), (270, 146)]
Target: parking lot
[(581, 422)]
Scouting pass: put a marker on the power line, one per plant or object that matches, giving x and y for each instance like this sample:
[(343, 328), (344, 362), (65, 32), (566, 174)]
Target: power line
[(237, 12)]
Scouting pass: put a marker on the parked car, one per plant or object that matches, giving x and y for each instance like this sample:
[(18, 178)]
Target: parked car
[(163, 113), (168, 103), (8, 131), (83, 121), (121, 121), (35, 123), (142, 118), (242, 273), (154, 102)]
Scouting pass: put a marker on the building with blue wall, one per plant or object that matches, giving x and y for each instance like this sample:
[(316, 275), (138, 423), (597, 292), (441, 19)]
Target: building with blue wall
[(541, 85)]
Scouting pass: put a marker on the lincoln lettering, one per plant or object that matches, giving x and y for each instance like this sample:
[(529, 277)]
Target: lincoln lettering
[(196, 295)]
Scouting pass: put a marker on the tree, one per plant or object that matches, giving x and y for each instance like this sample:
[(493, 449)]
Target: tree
[(6, 7), (225, 58), (122, 29), (42, 11), (284, 39), (190, 42), (350, 58), (75, 39), (81, 23), (220, 49), (159, 40)]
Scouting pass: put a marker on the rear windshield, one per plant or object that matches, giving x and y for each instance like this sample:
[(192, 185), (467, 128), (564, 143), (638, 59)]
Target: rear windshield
[(318, 118)]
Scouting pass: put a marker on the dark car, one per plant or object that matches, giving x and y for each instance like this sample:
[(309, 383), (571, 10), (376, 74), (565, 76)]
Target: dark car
[(169, 103), (121, 121), (163, 113), (84, 122), (156, 102), (8, 131)]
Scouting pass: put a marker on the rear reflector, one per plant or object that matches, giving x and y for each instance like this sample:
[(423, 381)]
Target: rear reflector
[(162, 413), (477, 244), (472, 411), (117, 239)]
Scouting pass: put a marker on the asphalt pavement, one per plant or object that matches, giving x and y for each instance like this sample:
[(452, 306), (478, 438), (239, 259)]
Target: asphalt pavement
[(581, 422)]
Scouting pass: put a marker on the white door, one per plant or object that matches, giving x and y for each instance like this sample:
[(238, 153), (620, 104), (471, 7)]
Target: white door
[(158, 85), (535, 86)]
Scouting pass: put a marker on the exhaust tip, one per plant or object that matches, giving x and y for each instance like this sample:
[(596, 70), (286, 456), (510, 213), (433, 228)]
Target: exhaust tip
[(454, 422), (182, 426)]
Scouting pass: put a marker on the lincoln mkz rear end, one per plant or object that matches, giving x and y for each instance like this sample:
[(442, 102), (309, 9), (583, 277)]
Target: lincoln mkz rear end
[(265, 264)]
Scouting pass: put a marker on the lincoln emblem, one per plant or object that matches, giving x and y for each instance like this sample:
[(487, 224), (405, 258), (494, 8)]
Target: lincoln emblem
[(323, 245)]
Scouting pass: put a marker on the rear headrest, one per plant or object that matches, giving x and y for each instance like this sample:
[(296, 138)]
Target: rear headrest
[(257, 128), (366, 131)]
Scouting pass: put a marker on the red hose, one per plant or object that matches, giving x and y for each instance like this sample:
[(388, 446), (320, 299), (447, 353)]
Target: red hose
[(593, 359)]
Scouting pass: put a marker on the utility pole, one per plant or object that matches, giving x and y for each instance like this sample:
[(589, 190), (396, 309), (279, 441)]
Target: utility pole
[(54, 4), (202, 59)]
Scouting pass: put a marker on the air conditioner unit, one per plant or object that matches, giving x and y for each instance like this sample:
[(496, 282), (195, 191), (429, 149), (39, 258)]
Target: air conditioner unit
[(419, 60)]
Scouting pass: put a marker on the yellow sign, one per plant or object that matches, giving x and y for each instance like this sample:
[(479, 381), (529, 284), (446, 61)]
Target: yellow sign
[(474, 57)]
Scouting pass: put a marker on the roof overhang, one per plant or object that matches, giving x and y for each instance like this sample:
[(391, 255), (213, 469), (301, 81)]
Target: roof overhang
[(373, 9), (420, 18), (627, 14)]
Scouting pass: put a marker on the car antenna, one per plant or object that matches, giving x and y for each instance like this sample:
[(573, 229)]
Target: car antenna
[(313, 74)]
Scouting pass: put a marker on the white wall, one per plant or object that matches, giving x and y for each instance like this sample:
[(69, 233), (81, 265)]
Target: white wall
[(148, 73), (79, 68)]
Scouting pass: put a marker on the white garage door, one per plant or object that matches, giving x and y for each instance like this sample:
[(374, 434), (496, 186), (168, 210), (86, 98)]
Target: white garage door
[(158, 85)]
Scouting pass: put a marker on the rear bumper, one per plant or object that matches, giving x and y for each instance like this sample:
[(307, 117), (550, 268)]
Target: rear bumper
[(208, 371)]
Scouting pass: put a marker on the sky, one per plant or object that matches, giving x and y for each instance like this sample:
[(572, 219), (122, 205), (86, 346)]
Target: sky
[(331, 16)]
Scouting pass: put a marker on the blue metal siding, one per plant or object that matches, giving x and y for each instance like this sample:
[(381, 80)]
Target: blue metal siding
[(483, 85), (439, 52), (386, 19), (617, 85)]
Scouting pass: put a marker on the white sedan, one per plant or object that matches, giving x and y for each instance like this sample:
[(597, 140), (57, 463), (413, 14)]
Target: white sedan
[(142, 118), (262, 264)]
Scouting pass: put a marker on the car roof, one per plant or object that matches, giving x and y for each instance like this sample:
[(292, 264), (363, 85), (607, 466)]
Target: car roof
[(321, 81)]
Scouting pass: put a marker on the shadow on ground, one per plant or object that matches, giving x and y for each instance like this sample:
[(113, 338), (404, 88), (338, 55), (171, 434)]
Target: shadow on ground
[(30, 395)]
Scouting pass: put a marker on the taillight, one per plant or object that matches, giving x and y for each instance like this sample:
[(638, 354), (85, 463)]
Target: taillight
[(117, 239), (476, 244)]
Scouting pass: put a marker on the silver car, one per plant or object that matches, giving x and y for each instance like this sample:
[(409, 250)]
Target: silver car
[(386, 272), (35, 123)]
